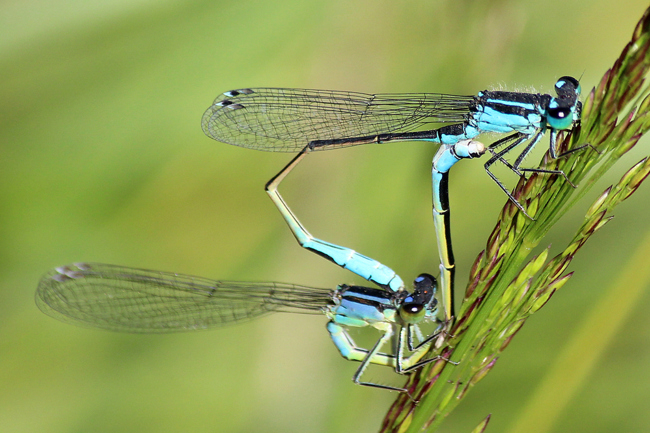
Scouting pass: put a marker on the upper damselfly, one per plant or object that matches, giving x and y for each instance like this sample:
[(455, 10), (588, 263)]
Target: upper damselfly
[(287, 120), (137, 300), (302, 120)]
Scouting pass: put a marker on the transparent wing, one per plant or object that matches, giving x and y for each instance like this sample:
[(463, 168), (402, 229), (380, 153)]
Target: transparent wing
[(138, 300), (286, 120)]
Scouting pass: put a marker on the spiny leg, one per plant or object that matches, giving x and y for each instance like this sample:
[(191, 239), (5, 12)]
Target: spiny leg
[(498, 156), (409, 336), (370, 359), (514, 140), (527, 150), (349, 350), (553, 151), (415, 361)]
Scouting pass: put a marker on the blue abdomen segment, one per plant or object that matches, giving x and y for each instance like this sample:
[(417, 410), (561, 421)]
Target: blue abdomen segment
[(452, 134), (347, 258), (365, 267)]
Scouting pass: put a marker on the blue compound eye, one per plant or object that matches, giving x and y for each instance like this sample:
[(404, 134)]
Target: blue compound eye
[(560, 117)]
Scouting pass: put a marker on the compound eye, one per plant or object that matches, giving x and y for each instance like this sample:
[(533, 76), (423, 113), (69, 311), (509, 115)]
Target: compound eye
[(567, 83), (412, 312), (425, 280), (567, 87), (560, 117), (413, 308)]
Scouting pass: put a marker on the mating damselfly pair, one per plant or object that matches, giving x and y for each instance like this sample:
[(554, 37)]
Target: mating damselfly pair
[(302, 120)]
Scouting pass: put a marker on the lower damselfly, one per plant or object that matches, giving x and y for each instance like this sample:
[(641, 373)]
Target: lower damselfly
[(125, 299)]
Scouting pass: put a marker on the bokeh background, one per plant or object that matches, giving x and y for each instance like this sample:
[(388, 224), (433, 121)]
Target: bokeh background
[(102, 158)]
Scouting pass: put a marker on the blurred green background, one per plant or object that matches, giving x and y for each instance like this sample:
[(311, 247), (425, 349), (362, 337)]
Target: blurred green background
[(102, 158)]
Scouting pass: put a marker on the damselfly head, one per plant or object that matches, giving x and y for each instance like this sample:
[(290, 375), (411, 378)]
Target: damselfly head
[(565, 109), (415, 306)]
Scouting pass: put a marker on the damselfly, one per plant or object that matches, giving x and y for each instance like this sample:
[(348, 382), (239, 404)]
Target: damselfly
[(302, 120), (137, 300)]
